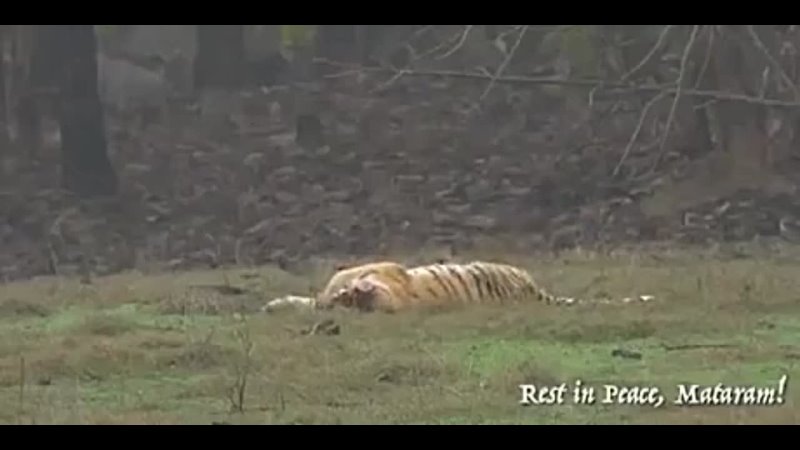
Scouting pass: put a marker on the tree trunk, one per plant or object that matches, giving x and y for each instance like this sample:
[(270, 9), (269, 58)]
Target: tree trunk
[(220, 59), (86, 169), (21, 96), (5, 142)]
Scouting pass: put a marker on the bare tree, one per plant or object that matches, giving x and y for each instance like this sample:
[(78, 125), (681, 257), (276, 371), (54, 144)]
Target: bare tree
[(4, 138), (22, 98), (72, 50)]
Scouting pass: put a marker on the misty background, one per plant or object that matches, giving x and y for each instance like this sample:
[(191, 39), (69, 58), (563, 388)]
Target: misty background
[(174, 146)]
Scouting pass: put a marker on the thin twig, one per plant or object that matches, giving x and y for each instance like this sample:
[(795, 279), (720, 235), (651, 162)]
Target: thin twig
[(614, 88), (514, 29), (343, 73), (458, 44), (707, 59), (705, 104), (390, 81), (502, 67), (679, 88), (591, 95), (651, 53), (242, 368), (763, 48), (636, 131), (420, 32), (441, 45)]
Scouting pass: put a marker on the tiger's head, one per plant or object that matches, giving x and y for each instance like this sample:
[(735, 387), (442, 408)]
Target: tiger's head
[(363, 294)]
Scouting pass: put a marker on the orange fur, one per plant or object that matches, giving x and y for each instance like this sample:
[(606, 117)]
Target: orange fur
[(392, 287)]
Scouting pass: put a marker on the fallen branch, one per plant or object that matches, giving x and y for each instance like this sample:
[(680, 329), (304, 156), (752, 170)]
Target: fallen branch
[(696, 346), (615, 88)]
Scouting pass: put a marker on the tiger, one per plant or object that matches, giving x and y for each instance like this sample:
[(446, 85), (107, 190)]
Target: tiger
[(391, 287)]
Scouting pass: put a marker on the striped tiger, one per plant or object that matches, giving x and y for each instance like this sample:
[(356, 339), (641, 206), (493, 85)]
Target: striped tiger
[(392, 287)]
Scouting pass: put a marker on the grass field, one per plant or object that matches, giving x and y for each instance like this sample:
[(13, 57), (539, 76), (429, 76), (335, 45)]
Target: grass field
[(153, 349)]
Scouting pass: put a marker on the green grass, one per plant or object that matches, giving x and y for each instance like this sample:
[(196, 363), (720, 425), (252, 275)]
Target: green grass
[(150, 349)]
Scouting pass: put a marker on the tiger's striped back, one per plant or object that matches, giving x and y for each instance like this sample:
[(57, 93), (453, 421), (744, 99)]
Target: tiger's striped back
[(393, 287), (476, 282)]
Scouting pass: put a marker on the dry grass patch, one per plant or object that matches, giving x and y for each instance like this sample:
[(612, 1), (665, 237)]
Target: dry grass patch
[(151, 349)]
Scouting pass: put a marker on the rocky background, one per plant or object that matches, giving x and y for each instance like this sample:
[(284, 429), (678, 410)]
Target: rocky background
[(465, 145)]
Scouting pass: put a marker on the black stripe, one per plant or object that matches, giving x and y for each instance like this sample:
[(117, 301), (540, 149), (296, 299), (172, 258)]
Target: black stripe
[(439, 280), (543, 296), (491, 282), (518, 281), (397, 278), (500, 283), (531, 287), (477, 280), (456, 294), (467, 291), (505, 284), (509, 282), (433, 292)]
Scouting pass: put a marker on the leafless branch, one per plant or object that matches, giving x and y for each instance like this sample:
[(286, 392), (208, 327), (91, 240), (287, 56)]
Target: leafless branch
[(452, 39), (613, 88), (236, 394), (420, 31), (763, 48), (390, 81), (458, 44), (636, 131), (707, 59), (503, 66), (659, 42), (514, 29), (678, 91)]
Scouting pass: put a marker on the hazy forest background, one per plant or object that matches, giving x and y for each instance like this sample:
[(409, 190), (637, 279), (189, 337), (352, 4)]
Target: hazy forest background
[(177, 146)]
